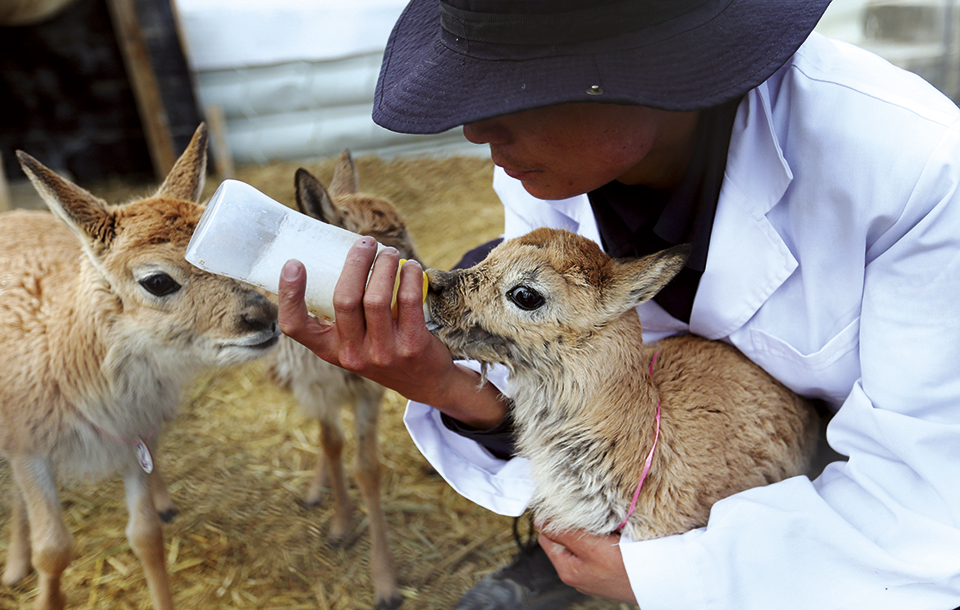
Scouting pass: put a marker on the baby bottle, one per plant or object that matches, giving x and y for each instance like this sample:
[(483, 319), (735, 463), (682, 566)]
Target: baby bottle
[(246, 235)]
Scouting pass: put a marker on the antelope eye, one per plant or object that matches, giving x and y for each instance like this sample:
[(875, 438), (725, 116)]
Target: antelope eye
[(160, 284), (526, 298)]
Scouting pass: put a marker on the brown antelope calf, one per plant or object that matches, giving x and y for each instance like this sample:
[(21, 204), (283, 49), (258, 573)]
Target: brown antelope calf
[(591, 402), (322, 389), (102, 322)]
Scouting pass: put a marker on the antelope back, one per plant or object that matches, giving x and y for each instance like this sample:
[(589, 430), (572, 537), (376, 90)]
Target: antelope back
[(540, 295)]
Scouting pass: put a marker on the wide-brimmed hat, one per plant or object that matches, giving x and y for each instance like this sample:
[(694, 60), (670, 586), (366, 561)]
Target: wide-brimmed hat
[(452, 62)]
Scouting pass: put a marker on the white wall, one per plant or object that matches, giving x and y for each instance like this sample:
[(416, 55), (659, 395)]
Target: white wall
[(223, 34), (295, 78)]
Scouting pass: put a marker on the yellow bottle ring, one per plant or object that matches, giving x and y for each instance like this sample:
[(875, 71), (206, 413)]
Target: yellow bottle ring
[(396, 286)]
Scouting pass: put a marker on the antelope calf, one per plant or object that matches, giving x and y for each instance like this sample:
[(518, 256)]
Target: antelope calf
[(102, 322), (322, 389), (620, 435)]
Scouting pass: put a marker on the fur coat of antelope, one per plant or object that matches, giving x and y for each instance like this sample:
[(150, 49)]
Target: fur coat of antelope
[(102, 322), (560, 314), (322, 389)]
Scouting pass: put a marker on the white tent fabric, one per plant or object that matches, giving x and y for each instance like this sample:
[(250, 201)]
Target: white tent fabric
[(224, 34), (295, 78)]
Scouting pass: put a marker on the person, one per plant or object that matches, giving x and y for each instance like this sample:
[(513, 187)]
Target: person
[(818, 186)]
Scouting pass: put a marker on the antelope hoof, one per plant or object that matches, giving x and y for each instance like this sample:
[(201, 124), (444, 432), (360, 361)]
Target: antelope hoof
[(313, 501), (308, 504), (390, 604), (338, 541), (168, 514)]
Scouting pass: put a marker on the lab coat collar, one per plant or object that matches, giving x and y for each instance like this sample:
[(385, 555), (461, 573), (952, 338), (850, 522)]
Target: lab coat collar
[(578, 210), (748, 260)]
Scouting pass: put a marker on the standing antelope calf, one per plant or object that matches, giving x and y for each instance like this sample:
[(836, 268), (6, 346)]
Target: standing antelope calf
[(102, 322), (592, 405), (322, 389)]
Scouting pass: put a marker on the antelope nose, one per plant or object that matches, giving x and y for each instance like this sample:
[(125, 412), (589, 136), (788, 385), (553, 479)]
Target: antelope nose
[(439, 280), (259, 313)]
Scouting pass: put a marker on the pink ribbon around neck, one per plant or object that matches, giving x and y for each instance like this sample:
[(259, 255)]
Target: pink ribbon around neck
[(144, 457), (647, 462)]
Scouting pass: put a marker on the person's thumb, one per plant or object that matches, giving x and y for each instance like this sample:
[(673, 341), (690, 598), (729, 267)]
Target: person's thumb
[(293, 316)]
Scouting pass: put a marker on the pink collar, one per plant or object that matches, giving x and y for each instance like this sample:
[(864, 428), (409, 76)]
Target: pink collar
[(649, 460), (144, 457)]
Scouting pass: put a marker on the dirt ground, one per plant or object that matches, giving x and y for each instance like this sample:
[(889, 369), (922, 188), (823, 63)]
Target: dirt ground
[(239, 457)]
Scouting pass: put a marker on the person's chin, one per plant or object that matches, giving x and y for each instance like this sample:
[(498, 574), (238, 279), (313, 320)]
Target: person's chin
[(546, 191)]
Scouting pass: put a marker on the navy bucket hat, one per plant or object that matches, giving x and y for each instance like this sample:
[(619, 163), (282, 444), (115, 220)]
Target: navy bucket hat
[(452, 62)]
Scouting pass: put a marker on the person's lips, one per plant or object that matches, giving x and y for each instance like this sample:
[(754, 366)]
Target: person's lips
[(518, 174), (510, 166)]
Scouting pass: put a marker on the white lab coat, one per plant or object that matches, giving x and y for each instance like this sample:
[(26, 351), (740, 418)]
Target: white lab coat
[(834, 263)]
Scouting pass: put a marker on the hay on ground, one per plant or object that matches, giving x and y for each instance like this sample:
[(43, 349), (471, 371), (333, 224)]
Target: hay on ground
[(239, 457)]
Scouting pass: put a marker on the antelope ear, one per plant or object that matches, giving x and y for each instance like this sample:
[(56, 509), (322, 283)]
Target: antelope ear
[(88, 216), (637, 281), (313, 199), (185, 180), (345, 180)]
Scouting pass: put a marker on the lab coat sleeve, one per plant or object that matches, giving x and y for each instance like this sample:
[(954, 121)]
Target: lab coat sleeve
[(883, 529), (502, 486)]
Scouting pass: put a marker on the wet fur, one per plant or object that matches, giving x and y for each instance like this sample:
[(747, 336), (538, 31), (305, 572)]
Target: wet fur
[(322, 389), (90, 360), (584, 401)]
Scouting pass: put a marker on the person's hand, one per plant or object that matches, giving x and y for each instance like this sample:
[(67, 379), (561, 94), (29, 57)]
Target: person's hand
[(365, 338), (398, 353), (591, 564)]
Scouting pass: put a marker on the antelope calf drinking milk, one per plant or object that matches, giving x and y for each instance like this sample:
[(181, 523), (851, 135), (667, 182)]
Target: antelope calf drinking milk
[(322, 389), (102, 322), (620, 435)]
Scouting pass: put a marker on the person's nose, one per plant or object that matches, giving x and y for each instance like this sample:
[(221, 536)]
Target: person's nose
[(490, 131)]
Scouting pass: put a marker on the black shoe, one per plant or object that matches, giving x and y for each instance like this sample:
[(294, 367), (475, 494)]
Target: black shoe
[(530, 582)]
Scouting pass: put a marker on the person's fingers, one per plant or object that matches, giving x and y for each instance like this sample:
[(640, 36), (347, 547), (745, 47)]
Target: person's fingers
[(293, 318), (566, 562), (348, 300), (590, 563), (410, 298), (377, 299), (292, 312), (553, 549), (578, 543)]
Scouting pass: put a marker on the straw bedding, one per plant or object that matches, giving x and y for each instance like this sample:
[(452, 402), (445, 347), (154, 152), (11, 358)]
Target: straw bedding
[(239, 458)]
